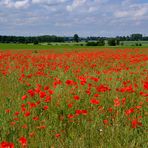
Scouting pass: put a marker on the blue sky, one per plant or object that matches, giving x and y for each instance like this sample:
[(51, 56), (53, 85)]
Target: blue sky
[(67, 17)]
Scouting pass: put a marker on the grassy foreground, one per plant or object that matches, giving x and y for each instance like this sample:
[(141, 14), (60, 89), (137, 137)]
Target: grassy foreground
[(60, 46), (77, 99)]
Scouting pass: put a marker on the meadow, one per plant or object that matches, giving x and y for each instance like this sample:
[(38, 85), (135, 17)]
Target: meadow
[(76, 98), (68, 46)]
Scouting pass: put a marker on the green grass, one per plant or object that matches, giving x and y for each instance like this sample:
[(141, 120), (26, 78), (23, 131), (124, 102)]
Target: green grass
[(132, 43), (59, 46)]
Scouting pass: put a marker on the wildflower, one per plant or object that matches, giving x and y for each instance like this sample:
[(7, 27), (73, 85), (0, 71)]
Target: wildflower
[(110, 110), (116, 102), (88, 91), (69, 82), (103, 88), (7, 110), (42, 94), (96, 95), (5, 144), (84, 112), (16, 113), (31, 92), (70, 105), (41, 127), (139, 106), (105, 121), (46, 87), (78, 112), (123, 101), (94, 101), (47, 99), (23, 141), (57, 135), (45, 107), (70, 116), (24, 97), (27, 114), (129, 111), (51, 92), (35, 118), (25, 126), (32, 105), (32, 134), (135, 123), (145, 85), (76, 97)]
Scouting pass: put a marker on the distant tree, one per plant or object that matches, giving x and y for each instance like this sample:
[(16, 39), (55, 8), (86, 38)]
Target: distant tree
[(145, 38), (117, 42), (76, 38), (101, 42), (92, 44), (136, 37), (35, 42), (138, 44), (112, 42)]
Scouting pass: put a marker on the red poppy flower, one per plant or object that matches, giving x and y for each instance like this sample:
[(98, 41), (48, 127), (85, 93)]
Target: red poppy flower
[(105, 121), (23, 141), (84, 112), (57, 135), (5, 144), (129, 111), (42, 94), (70, 105), (45, 107), (116, 102), (76, 97), (27, 114), (145, 85), (24, 97), (70, 116), (94, 101), (135, 123)]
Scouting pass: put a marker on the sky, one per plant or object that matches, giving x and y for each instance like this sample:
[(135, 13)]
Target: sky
[(68, 17)]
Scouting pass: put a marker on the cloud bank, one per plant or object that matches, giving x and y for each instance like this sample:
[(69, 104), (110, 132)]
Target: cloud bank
[(66, 17)]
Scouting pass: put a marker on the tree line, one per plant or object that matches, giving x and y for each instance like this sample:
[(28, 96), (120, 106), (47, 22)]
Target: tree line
[(30, 39), (90, 41)]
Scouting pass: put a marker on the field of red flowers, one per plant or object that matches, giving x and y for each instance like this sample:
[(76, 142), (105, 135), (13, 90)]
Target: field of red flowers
[(74, 99)]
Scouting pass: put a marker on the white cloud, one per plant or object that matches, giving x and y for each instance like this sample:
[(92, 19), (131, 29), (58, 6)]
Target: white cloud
[(48, 1), (75, 4), (21, 4), (133, 12), (82, 16), (16, 4), (38, 1)]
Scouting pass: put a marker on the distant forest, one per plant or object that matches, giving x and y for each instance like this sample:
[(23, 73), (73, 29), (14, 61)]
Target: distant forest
[(75, 38)]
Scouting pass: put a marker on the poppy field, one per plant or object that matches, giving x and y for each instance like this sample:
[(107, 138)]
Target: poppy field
[(86, 99)]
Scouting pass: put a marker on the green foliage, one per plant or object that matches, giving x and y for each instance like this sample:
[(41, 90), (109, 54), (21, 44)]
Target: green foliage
[(98, 43), (138, 44), (112, 42), (36, 42), (91, 44), (101, 42), (76, 38), (136, 37)]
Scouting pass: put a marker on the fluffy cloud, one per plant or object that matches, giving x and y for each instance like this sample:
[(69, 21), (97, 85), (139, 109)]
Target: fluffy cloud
[(75, 4), (49, 2), (133, 11), (86, 17), (16, 4)]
